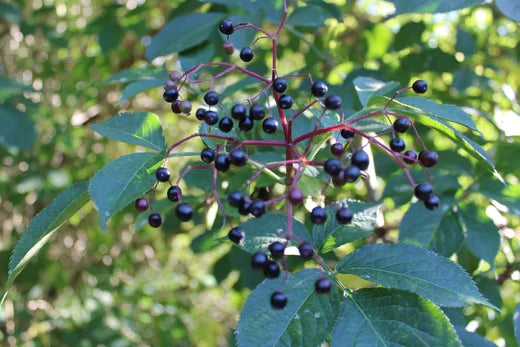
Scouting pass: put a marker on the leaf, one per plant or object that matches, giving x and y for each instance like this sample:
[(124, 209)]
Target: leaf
[(122, 181), (43, 226), (431, 6), (17, 128), (366, 87), (331, 234), (438, 230), (470, 339), (307, 319), (414, 269), (9, 12), (309, 16), (260, 232), (516, 323), (465, 42), (139, 128), (140, 86), (10, 87), (389, 317), (409, 35), (182, 33), (137, 73), (509, 8)]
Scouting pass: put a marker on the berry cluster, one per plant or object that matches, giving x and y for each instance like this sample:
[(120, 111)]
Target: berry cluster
[(347, 164)]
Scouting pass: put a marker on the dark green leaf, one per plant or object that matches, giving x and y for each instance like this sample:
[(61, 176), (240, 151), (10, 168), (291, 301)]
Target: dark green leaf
[(9, 12), (138, 73), (431, 6), (470, 339), (311, 15), (516, 323), (140, 86), (139, 128), (17, 128), (389, 317), (489, 289), (510, 8), (410, 34), (10, 87), (465, 42)]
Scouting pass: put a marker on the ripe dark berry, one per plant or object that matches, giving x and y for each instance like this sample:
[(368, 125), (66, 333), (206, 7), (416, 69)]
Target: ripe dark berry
[(259, 261), (200, 114), (279, 85), (169, 84), (420, 86), (208, 155), (397, 144), (222, 163), (423, 191), (428, 158), (225, 124), (170, 95), (211, 117), (401, 125), (278, 300), (162, 174), (332, 167), (226, 27), (175, 76), (155, 220), (236, 235), (344, 215), (174, 193), (337, 149), (238, 157), (246, 123), (323, 286), (270, 125), (306, 250), (257, 112), (235, 199), (238, 111), (184, 212), (296, 196), (257, 208), (176, 106), (277, 249), (432, 202), (285, 102), (319, 89), (244, 208), (347, 134), (351, 173), (360, 159), (141, 204), (228, 48), (247, 54), (333, 102), (186, 107), (339, 179), (409, 157), (272, 270), (211, 98), (318, 215)]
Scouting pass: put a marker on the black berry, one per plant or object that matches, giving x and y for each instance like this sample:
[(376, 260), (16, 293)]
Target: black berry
[(170, 95), (236, 235), (332, 167), (174, 193), (420, 86), (333, 102), (259, 261), (257, 112), (238, 157), (344, 215), (141, 204), (279, 85), (351, 173), (360, 159), (278, 300), (339, 179), (409, 157), (211, 98), (272, 270), (222, 163), (296, 196), (428, 158), (225, 124), (285, 102), (155, 220), (200, 114), (208, 155), (337, 149), (246, 123), (323, 286), (244, 208), (235, 199), (397, 144), (226, 27), (257, 208), (401, 125), (432, 202), (277, 249), (318, 215), (211, 117), (319, 89), (347, 134), (162, 174), (270, 125), (184, 212), (423, 191), (238, 111), (176, 106), (306, 250), (247, 54)]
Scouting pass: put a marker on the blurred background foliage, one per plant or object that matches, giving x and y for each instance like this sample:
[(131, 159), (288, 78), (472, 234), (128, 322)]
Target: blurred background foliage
[(59, 61)]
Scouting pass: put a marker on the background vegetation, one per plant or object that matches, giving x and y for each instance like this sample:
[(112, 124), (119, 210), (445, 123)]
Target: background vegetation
[(175, 286)]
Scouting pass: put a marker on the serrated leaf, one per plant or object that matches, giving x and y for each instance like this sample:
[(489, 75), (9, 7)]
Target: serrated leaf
[(138, 128), (189, 30), (140, 86), (122, 181), (470, 339), (17, 128), (43, 226), (389, 317), (331, 234), (511, 9), (431, 6), (414, 269), (366, 87), (137, 73), (260, 232), (438, 230), (516, 323), (307, 319)]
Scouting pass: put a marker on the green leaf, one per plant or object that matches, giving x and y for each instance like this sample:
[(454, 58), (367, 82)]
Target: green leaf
[(310, 16), (182, 33), (410, 34), (260, 232), (137, 73), (389, 317), (122, 181), (140, 86), (516, 323), (331, 235), (438, 230), (465, 42), (489, 289), (414, 269), (431, 6), (470, 339), (17, 128), (307, 319), (139, 128), (509, 8), (9, 12), (43, 226), (10, 87), (366, 87)]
